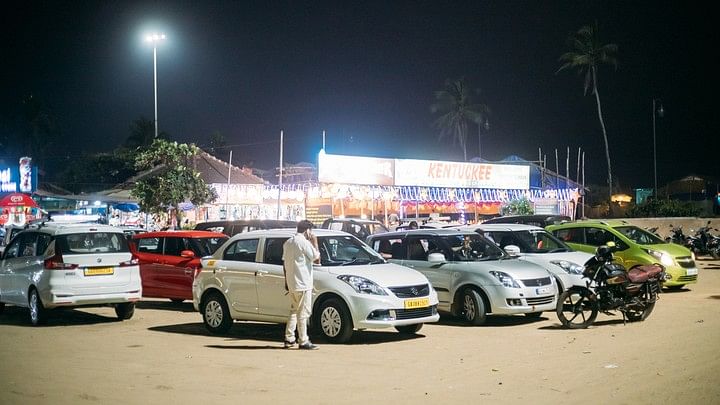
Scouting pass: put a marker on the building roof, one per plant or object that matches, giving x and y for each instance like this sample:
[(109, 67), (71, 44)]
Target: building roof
[(214, 170)]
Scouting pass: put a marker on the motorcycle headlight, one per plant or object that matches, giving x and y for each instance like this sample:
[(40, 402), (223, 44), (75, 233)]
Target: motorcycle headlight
[(665, 259), (362, 285), (569, 267), (505, 279)]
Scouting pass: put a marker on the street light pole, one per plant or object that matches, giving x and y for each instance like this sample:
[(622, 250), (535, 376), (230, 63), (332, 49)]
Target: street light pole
[(485, 125), (155, 39), (655, 111)]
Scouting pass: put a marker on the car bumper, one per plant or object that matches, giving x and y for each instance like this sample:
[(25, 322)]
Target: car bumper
[(58, 298), (508, 301), (680, 275), (379, 312)]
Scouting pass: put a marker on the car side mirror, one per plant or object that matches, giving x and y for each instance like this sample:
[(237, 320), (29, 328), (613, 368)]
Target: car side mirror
[(512, 250), (188, 254), (436, 258)]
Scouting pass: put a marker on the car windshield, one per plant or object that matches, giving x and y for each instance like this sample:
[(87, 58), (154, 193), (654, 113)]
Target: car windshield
[(472, 247), (206, 246), (346, 251), (92, 242), (539, 241), (639, 236), (377, 228)]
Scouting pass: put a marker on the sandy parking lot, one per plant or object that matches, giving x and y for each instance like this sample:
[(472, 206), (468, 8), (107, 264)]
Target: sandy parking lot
[(164, 355)]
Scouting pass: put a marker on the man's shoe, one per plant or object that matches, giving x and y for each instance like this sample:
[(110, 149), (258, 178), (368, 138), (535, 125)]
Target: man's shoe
[(308, 346), (289, 345)]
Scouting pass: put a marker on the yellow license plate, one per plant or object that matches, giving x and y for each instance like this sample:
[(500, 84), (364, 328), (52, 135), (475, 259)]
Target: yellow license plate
[(417, 303), (99, 271)]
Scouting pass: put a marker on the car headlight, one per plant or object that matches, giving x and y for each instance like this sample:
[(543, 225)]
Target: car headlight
[(505, 279), (569, 267), (665, 259), (362, 285)]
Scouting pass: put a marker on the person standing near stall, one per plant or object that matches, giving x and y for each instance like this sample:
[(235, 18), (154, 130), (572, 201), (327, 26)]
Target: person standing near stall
[(299, 254)]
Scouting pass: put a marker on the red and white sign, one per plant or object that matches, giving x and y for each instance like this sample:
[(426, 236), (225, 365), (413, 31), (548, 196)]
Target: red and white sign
[(355, 170), (434, 173)]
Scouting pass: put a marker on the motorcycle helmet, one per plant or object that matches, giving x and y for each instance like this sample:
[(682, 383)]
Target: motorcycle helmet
[(603, 253)]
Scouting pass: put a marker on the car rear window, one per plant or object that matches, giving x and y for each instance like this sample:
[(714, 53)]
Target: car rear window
[(92, 242)]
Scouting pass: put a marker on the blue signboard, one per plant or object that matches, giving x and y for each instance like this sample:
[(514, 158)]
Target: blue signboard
[(20, 178)]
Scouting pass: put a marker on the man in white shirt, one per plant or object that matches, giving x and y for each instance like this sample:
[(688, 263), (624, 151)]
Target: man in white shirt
[(299, 253)]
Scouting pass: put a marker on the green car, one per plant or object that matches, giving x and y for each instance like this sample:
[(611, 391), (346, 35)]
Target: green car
[(635, 247)]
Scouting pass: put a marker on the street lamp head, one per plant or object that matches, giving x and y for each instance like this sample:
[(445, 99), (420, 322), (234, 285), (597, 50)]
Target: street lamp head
[(486, 125), (661, 111), (154, 38)]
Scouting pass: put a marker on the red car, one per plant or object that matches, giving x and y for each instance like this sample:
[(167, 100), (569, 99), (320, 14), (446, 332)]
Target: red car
[(169, 260)]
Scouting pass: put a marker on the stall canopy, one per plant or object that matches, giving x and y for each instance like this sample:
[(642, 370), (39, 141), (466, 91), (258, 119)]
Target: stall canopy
[(17, 200), (127, 207)]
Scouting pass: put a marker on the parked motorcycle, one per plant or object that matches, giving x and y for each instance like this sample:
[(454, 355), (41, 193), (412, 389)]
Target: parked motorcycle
[(677, 236), (610, 288), (705, 243)]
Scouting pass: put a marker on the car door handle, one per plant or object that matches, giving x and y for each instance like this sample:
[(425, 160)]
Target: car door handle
[(261, 273), (188, 271)]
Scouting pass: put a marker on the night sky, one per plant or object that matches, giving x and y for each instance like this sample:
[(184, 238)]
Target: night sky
[(365, 72)]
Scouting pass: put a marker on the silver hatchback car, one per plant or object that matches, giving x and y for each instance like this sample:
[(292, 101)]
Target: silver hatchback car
[(473, 277), (70, 265)]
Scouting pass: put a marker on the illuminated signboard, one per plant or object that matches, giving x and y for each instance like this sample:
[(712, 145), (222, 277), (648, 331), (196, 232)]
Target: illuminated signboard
[(433, 173), (355, 170), (20, 178)]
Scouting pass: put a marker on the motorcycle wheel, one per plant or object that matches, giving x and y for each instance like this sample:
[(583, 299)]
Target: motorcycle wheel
[(635, 316), (715, 253), (576, 310)]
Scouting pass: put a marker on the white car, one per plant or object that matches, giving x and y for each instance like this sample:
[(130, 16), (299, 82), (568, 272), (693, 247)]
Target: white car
[(473, 277), (355, 288), (536, 245), (54, 265)]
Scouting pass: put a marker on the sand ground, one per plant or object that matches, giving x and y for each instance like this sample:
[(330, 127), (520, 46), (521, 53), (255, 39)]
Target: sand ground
[(164, 355)]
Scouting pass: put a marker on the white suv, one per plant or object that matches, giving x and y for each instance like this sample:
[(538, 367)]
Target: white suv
[(355, 288), (69, 265)]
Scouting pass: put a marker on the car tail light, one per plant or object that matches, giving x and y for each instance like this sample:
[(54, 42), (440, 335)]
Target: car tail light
[(56, 263), (131, 262)]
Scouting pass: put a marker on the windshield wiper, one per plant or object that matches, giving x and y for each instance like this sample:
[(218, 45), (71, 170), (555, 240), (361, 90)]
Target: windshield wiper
[(558, 250), (355, 260)]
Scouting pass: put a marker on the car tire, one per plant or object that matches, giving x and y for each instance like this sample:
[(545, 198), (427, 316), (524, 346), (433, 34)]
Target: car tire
[(125, 310), (38, 313), (409, 329), (473, 307), (216, 314), (333, 321), (534, 315)]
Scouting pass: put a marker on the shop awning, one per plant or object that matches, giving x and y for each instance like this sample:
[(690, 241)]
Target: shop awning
[(17, 200)]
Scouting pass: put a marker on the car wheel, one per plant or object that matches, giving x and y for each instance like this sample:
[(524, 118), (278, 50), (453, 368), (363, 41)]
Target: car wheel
[(38, 313), (125, 311), (473, 307), (215, 313), (409, 329), (334, 321), (534, 315)]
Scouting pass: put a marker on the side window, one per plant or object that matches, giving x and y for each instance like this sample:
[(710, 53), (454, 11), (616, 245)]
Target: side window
[(418, 248), (572, 235), (173, 246), (150, 245), (336, 226), (503, 239), (243, 250), (28, 245), (43, 240), (13, 249), (274, 251), (598, 237)]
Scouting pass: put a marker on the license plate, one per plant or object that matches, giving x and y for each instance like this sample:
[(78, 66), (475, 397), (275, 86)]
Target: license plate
[(543, 290), (417, 303), (99, 271), (691, 272)]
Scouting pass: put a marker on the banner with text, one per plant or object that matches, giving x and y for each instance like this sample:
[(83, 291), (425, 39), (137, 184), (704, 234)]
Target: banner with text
[(355, 170), (433, 173)]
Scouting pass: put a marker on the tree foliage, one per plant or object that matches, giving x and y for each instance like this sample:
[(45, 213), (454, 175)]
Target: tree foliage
[(97, 172), (586, 55), (174, 179), (520, 206), (142, 134), (664, 208), (457, 109)]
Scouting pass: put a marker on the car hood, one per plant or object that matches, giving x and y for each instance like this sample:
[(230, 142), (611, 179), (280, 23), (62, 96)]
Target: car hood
[(386, 275), (515, 267), (672, 249), (579, 258)]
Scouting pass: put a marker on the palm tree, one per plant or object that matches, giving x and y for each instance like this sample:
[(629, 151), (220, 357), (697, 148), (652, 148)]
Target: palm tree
[(455, 104), (142, 133), (586, 55)]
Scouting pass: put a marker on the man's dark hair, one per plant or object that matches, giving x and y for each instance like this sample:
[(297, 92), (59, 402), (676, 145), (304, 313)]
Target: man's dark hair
[(304, 225)]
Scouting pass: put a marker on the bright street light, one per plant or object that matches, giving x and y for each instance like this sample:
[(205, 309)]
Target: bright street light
[(659, 112), (155, 39)]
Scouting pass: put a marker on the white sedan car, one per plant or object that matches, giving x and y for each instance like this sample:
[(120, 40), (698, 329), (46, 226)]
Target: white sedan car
[(536, 245), (355, 288)]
